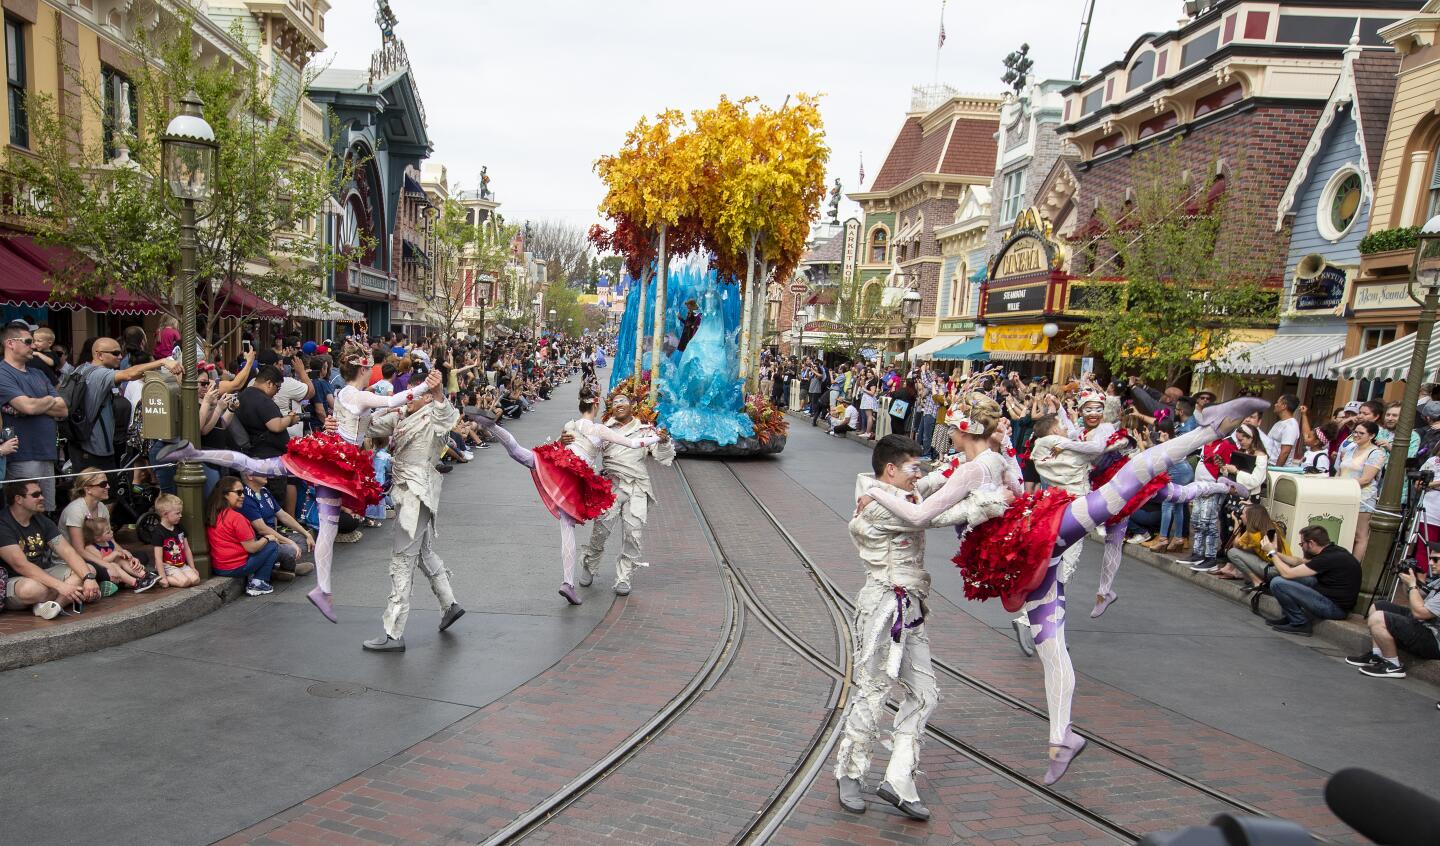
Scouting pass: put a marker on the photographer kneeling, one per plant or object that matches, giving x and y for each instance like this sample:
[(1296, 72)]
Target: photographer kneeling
[(1324, 585), (1414, 626)]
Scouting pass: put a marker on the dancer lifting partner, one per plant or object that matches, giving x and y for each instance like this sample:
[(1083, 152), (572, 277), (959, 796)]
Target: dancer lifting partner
[(891, 644), (1017, 555), (417, 440), (567, 476), (626, 470), (342, 472)]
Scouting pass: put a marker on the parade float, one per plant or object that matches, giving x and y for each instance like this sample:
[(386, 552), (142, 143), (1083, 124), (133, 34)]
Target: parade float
[(706, 212)]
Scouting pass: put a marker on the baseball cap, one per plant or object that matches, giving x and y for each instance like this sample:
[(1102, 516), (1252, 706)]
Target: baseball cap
[(1352, 407), (308, 347), (1430, 410)]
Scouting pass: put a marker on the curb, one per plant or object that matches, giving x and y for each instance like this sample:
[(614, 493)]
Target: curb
[(88, 635), (1350, 636)]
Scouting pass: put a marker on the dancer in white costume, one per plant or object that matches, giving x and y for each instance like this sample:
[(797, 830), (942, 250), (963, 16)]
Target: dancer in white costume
[(891, 645), (342, 472), (626, 470), (417, 440), (567, 476), (999, 556)]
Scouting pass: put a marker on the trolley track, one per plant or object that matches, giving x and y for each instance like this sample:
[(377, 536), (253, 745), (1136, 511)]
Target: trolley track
[(1232, 803), (842, 606)]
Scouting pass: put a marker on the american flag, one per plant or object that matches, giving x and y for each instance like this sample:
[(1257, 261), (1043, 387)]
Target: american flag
[(942, 25), (862, 170)]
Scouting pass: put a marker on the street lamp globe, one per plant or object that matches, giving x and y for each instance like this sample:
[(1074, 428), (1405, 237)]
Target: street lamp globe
[(910, 304), (1050, 330), (1427, 258), (188, 152)]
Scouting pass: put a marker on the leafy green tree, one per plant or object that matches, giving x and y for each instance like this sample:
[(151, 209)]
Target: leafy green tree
[(1177, 273), (452, 237), (116, 214)]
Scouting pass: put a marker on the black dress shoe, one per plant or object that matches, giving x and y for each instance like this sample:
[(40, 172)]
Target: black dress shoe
[(1277, 621), (913, 810)]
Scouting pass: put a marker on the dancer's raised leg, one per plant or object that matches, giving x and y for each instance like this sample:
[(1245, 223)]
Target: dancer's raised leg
[(522, 455), (186, 451)]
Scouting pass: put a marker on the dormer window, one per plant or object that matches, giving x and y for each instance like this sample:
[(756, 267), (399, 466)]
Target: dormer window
[(1142, 71)]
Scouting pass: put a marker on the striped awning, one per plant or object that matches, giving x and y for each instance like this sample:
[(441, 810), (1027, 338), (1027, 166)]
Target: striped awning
[(1300, 356), (1390, 362), (925, 350)]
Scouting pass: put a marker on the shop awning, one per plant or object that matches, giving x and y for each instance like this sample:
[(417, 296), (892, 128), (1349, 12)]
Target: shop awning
[(1300, 356), (25, 271), (238, 301), (926, 350), (1390, 362), (968, 350), (330, 310)]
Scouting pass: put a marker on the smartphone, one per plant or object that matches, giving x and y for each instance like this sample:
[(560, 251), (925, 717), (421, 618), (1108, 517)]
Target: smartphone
[(245, 345), (6, 434)]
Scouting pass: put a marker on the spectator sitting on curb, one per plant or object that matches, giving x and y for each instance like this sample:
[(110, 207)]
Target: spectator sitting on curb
[(1324, 585), (174, 562), (29, 542), (235, 551), (1415, 626), (89, 491), (1246, 559), (265, 515), (845, 419)]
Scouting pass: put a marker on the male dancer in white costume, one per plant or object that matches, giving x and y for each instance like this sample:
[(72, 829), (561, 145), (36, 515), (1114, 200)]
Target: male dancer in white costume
[(626, 470), (891, 643), (417, 442), (1092, 439)]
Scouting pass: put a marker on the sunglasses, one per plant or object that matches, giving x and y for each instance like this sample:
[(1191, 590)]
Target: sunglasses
[(29, 342), (36, 495), (104, 484)]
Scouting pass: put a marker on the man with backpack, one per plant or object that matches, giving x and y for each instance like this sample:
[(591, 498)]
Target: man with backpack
[(99, 416)]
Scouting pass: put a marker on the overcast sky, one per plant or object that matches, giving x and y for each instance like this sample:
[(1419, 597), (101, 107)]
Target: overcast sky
[(538, 90)]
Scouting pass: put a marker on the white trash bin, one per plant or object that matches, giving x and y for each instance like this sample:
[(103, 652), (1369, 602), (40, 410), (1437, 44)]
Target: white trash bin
[(1297, 500)]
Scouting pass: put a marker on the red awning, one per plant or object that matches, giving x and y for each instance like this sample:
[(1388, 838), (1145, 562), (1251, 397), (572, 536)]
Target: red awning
[(25, 271), (237, 301)]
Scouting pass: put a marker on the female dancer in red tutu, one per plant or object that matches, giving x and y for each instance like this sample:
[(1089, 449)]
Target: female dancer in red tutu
[(342, 472), (1017, 555), (568, 476)]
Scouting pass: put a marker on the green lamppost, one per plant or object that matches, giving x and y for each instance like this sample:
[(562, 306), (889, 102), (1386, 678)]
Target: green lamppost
[(188, 152), (1424, 289)]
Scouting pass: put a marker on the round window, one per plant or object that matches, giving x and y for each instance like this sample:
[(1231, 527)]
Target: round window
[(1342, 204)]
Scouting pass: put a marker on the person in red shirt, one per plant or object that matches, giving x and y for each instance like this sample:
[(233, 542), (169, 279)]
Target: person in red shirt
[(235, 551)]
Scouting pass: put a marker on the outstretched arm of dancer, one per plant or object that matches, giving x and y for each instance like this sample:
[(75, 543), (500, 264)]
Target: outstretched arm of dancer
[(360, 400), (965, 479), (607, 434)]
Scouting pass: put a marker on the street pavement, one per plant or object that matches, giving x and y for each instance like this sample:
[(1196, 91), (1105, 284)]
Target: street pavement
[(191, 734), (1183, 647)]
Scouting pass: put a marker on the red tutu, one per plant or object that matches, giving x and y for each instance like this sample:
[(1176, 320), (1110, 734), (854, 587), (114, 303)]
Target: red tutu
[(1007, 556), (331, 461), (568, 485)]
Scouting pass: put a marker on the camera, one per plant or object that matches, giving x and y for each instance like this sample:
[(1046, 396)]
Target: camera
[(1424, 477)]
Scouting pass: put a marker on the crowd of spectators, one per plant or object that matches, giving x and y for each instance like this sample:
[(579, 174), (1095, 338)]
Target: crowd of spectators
[(88, 512), (1226, 537)]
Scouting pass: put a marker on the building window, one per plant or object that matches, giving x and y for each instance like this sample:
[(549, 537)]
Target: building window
[(1434, 206), (879, 245), (15, 81), (1142, 71), (1373, 338), (121, 111), (959, 291), (1340, 204), (1013, 192)]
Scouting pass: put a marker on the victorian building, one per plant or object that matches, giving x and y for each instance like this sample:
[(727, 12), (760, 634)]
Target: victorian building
[(1238, 91), (379, 130), (943, 154), (1383, 311)]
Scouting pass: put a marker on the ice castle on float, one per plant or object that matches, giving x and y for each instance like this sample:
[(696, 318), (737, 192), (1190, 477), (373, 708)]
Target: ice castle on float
[(701, 395)]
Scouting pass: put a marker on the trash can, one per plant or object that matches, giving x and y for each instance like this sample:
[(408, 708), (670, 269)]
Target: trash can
[(1297, 500)]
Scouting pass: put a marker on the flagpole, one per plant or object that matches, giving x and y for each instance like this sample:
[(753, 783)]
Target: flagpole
[(940, 42)]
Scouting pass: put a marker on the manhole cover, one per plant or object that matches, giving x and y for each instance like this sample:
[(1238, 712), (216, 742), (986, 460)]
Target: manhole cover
[(327, 690)]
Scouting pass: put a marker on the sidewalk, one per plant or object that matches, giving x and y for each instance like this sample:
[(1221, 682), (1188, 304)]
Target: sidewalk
[(1350, 636)]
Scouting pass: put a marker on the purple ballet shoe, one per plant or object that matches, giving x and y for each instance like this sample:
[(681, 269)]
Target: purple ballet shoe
[(1102, 603), (323, 601), (1067, 752), (567, 590)]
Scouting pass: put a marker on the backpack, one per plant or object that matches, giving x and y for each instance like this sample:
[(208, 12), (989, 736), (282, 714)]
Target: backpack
[(80, 418)]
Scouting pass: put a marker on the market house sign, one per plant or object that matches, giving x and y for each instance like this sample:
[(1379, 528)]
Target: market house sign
[(1031, 248)]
